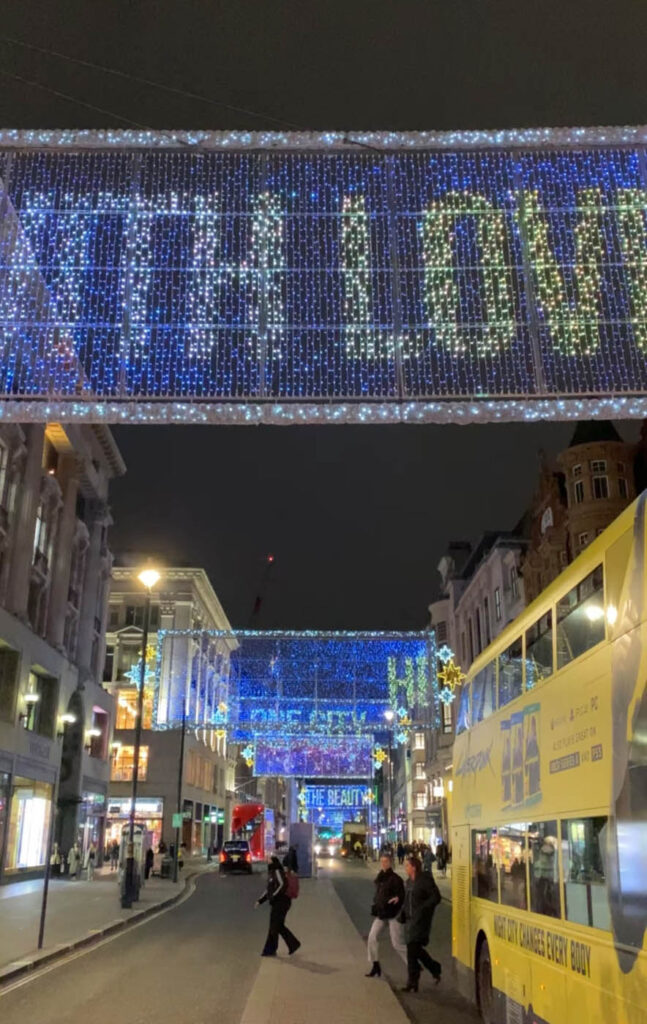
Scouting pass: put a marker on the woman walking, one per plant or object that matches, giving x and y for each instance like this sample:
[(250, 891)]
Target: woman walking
[(387, 905), (280, 903), (421, 897)]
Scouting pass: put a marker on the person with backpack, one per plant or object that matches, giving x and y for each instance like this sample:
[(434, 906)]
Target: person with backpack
[(277, 894), (421, 897)]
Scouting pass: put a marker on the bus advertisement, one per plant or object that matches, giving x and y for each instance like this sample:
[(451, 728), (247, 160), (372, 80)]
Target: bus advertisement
[(549, 817)]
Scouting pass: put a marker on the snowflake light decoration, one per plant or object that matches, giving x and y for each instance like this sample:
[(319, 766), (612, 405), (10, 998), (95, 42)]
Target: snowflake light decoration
[(445, 654), (446, 695), (247, 753)]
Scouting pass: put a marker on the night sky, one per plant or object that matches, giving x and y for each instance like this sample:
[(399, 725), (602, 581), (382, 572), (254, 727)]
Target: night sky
[(357, 517)]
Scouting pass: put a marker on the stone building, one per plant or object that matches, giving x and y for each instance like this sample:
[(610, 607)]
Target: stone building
[(592, 481), (55, 716), (194, 674)]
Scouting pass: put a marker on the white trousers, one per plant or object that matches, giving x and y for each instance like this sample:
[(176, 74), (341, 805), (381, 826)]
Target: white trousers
[(396, 931)]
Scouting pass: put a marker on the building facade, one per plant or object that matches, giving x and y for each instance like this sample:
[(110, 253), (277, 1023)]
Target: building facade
[(193, 676), (55, 716)]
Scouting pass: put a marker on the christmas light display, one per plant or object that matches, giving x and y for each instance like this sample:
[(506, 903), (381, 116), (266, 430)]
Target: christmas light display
[(330, 806), (276, 277), (314, 756)]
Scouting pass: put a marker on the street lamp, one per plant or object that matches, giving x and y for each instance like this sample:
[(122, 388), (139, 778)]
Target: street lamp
[(149, 577), (389, 715)]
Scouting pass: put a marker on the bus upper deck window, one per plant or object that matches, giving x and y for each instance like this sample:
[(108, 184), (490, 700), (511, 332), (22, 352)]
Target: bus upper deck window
[(539, 651), (510, 673), (580, 618), (484, 693), (463, 715)]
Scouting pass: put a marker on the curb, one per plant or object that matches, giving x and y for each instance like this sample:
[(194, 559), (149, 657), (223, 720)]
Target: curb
[(40, 959)]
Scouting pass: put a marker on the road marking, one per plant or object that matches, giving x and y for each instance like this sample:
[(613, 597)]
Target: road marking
[(38, 972)]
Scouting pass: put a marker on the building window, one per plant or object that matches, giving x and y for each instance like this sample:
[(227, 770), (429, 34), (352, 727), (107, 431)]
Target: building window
[(108, 664), (419, 741), (577, 470), (620, 466), (4, 462), (127, 709), (470, 635), (579, 492), (479, 635), (154, 622), (600, 487), (40, 533), (447, 718), (623, 490), (421, 801), (563, 558), (9, 661), (582, 540), (99, 734), (113, 617), (420, 770), (135, 615), (41, 713), (486, 621), (123, 763), (463, 647), (497, 604), (441, 632), (598, 465), (514, 581)]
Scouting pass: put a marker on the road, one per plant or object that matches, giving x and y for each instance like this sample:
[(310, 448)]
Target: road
[(198, 962), (354, 885)]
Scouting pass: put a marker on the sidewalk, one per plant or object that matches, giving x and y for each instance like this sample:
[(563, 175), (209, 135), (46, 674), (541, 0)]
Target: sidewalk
[(78, 912), (324, 981)]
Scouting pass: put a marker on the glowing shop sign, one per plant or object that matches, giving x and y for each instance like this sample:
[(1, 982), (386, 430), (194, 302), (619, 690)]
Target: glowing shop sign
[(323, 282)]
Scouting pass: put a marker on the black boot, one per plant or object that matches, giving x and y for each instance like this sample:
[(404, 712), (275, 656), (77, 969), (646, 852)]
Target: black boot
[(375, 971), (411, 985)]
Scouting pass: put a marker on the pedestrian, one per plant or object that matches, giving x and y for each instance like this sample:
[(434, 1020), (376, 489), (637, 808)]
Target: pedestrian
[(387, 906), (90, 861), (74, 861), (427, 859), (114, 855), (400, 852), (421, 897), (280, 903), (148, 863), (291, 861), (441, 857), (55, 861)]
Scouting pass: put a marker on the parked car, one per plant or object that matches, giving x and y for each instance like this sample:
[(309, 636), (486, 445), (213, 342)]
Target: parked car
[(236, 856)]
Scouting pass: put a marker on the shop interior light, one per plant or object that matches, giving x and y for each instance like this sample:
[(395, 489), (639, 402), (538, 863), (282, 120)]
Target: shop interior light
[(31, 698), (612, 614), (93, 732), (68, 718)]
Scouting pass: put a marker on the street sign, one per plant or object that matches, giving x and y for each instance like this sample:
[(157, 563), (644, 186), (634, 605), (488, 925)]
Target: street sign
[(177, 820)]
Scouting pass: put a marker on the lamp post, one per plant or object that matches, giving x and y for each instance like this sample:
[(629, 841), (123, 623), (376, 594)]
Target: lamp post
[(149, 577), (389, 715)]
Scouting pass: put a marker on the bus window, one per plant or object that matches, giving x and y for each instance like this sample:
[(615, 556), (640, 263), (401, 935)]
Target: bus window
[(544, 870), (539, 651), (484, 693), (585, 891), (463, 715), (510, 673), (484, 876), (580, 618), (511, 861)]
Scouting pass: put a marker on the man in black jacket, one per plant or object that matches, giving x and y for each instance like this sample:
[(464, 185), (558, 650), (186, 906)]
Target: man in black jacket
[(420, 900), (387, 904)]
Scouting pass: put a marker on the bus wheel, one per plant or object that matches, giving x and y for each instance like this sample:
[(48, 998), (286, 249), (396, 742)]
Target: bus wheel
[(484, 989)]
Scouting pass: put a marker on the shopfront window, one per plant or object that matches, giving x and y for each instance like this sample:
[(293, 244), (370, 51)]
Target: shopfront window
[(29, 817), (9, 661), (123, 763), (149, 813)]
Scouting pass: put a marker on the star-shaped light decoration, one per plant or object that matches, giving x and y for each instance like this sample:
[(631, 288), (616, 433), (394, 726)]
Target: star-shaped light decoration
[(379, 756), (451, 675), (445, 654), (247, 753), (135, 674)]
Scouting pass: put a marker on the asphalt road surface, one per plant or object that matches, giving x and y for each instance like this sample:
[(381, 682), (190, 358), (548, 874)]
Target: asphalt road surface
[(198, 961), (353, 883)]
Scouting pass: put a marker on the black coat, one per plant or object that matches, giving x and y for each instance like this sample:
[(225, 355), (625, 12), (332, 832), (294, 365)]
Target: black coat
[(276, 888), (387, 886), (421, 897)]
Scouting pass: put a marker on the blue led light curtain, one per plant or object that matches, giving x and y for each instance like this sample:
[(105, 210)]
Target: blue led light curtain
[(346, 275), (344, 757)]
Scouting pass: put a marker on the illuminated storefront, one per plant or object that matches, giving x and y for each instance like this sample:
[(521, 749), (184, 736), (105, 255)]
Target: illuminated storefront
[(92, 820), (149, 812), (27, 831), (332, 806)]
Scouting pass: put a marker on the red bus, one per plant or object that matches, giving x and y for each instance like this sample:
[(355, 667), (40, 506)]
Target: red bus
[(248, 822)]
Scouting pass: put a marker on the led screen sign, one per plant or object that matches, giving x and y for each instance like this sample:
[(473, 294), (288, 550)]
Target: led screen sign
[(248, 278)]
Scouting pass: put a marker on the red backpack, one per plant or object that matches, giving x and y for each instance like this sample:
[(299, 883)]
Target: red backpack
[(292, 885)]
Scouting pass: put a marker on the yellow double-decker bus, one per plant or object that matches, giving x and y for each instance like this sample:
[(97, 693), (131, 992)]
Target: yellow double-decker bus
[(549, 817)]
